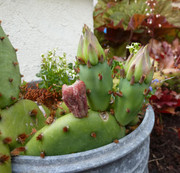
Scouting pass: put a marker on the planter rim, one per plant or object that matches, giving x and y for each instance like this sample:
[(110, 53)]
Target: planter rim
[(108, 153)]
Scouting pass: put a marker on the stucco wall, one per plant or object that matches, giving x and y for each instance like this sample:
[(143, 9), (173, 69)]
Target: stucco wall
[(36, 26)]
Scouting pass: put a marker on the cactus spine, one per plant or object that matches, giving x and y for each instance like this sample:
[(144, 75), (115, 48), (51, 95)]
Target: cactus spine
[(134, 84), (11, 78), (94, 71)]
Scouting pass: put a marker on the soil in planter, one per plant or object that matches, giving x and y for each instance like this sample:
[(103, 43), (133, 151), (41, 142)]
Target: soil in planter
[(165, 145)]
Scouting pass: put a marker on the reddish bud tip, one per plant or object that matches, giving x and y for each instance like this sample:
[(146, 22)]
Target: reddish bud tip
[(146, 92), (81, 61), (122, 73), (132, 80), (110, 61), (77, 70), (142, 79), (0, 94), (101, 59), (16, 50), (89, 64)]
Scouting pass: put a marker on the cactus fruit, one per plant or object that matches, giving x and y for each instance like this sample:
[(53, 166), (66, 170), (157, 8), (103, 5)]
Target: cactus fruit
[(133, 86), (94, 71), (69, 134), (10, 79), (5, 158), (18, 121), (75, 98)]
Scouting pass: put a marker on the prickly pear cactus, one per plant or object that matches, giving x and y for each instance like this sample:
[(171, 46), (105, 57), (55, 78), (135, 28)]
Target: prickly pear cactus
[(94, 71), (5, 158), (10, 78), (134, 84), (18, 122), (69, 134)]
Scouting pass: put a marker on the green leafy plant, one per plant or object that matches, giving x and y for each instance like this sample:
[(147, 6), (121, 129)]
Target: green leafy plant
[(55, 71), (134, 47)]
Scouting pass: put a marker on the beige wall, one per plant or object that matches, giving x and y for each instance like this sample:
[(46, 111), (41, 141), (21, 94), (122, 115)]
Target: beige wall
[(36, 26)]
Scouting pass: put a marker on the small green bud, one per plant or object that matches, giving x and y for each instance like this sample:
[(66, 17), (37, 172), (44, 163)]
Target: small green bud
[(89, 49)]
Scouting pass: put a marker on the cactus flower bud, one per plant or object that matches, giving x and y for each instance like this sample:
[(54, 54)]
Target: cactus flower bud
[(89, 48), (139, 65)]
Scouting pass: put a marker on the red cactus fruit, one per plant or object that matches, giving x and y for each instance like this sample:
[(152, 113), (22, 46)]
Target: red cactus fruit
[(75, 98)]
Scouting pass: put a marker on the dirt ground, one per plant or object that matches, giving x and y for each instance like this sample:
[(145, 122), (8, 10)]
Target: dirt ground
[(165, 146)]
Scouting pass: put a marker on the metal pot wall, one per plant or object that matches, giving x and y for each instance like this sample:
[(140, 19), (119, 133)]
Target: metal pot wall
[(130, 155)]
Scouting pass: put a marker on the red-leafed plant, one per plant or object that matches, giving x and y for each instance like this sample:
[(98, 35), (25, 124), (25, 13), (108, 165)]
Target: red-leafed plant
[(119, 22)]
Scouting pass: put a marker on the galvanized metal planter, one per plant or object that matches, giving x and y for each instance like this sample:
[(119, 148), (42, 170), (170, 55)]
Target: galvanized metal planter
[(130, 155)]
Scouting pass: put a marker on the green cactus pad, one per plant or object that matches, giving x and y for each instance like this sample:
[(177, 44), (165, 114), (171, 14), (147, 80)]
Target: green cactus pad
[(5, 158), (10, 78), (98, 82), (129, 104), (18, 121), (70, 135)]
